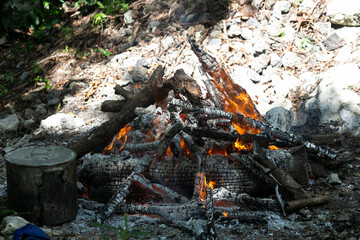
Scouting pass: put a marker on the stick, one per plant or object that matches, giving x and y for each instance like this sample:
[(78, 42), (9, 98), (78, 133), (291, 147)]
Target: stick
[(306, 202)]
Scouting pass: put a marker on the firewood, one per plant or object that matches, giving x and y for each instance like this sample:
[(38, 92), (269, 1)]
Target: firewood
[(273, 133), (210, 224), (160, 190), (113, 105), (123, 92), (101, 135), (222, 194), (119, 197), (306, 202)]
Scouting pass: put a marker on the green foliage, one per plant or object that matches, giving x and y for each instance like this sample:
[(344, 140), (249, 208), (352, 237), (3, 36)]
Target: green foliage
[(3, 89), (280, 34), (6, 212), (34, 17), (99, 18), (9, 77), (37, 71), (66, 49), (41, 79), (305, 43), (106, 53), (125, 233)]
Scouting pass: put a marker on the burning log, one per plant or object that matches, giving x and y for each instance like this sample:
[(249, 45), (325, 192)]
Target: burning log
[(153, 90), (272, 133), (159, 145), (160, 190)]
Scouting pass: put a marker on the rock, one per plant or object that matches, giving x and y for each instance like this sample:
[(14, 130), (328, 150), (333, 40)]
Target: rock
[(275, 60), (24, 75), (280, 118), (334, 179), (282, 6), (344, 12), (190, 18), (138, 74), (335, 100), (9, 124), (332, 42), (259, 63), (324, 28), (10, 223), (128, 17), (53, 94), (144, 62), (154, 25), (247, 33), (167, 42), (71, 122), (253, 22), (261, 47), (30, 97), (279, 8), (344, 54), (213, 45), (306, 5), (290, 59), (234, 31), (274, 28), (53, 121), (40, 109)]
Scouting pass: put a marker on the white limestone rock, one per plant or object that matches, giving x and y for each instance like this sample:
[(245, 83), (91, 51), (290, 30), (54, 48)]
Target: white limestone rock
[(344, 12)]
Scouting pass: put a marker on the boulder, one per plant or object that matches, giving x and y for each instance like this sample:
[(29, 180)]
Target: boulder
[(344, 12)]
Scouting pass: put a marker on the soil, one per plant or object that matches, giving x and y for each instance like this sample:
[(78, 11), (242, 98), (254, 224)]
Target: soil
[(82, 75)]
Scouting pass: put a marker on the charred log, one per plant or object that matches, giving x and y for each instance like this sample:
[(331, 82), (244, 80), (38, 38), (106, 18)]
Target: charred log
[(153, 90), (113, 105)]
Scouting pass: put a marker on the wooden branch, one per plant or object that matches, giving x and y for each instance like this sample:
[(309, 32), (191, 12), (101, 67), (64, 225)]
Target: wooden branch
[(119, 197), (210, 224), (119, 90), (153, 91), (113, 105), (306, 202)]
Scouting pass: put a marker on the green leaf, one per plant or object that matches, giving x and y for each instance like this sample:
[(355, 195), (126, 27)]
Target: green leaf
[(93, 224), (6, 212), (77, 5), (47, 86)]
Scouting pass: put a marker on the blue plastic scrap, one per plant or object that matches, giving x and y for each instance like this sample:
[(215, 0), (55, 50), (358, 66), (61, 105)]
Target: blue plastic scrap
[(30, 232)]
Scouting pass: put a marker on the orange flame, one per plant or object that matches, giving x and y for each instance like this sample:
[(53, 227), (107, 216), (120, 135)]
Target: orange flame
[(203, 185), (225, 215), (215, 150), (121, 137), (137, 85), (273, 147), (241, 146)]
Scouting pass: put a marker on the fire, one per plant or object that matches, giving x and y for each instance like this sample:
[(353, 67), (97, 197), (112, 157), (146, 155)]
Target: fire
[(225, 215), (122, 137), (241, 146), (203, 185), (215, 150), (273, 147)]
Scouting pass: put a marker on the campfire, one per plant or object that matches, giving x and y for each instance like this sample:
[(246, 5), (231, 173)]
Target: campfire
[(199, 153)]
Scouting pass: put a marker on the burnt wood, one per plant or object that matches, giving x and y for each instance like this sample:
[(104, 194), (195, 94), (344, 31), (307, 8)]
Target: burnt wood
[(153, 91)]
